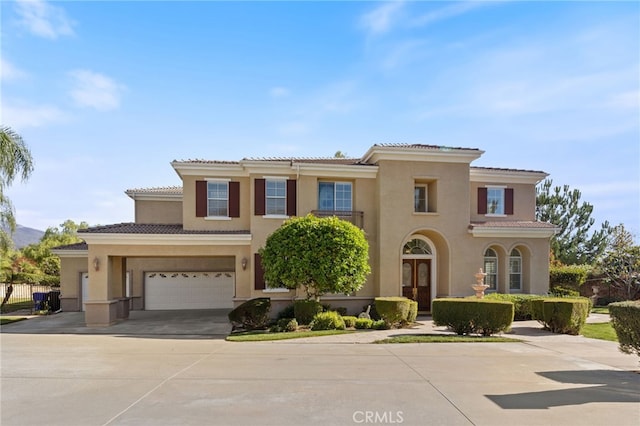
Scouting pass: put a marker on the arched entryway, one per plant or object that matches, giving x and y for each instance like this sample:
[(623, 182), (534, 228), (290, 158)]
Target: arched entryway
[(418, 274)]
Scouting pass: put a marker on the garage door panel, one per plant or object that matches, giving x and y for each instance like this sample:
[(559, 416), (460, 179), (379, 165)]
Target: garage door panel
[(189, 290)]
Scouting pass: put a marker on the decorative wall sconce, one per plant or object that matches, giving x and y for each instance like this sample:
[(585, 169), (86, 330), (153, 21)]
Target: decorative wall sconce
[(96, 263), (244, 263)]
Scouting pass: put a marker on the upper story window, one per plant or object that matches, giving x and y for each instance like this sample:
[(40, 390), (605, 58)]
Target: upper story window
[(420, 199), (495, 200), (424, 196), (218, 199), (335, 196), (276, 197)]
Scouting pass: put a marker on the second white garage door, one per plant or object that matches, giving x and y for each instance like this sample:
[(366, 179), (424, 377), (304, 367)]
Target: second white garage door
[(189, 290)]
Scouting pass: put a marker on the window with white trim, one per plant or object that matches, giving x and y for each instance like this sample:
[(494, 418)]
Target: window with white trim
[(335, 196), (491, 269), (495, 200), (217, 199), (515, 270), (276, 197)]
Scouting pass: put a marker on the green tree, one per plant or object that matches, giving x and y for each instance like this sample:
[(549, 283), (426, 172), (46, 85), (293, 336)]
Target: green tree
[(40, 253), (15, 160), (323, 255), (621, 262), (574, 244)]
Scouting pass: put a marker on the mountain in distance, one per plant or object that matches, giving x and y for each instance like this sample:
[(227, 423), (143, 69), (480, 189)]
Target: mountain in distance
[(23, 236)]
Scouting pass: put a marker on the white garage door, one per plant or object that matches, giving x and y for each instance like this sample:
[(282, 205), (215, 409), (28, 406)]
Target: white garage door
[(189, 290)]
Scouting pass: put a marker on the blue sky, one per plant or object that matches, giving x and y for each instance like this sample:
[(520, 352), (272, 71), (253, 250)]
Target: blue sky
[(107, 94)]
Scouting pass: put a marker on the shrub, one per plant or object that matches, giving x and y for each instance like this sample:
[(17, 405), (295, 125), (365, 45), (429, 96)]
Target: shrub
[(286, 312), (341, 310), (380, 325), (560, 291), (252, 314), (349, 321), (466, 316), (286, 325), (330, 320), (413, 312), (568, 276), (363, 323), (393, 310), (606, 300), (522, 309), (625, 319), (305, 310), (562, 314)]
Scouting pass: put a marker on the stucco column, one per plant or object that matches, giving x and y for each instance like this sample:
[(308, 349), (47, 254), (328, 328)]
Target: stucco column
[(101, 308)]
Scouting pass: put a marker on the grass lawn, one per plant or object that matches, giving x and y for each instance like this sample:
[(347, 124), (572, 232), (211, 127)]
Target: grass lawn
[(17, 305), (445, 338), (600, 310), (600, 330), (264, 336), (9, 320)]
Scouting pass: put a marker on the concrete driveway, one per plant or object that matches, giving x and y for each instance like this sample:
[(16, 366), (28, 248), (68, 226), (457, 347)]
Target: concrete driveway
[(84, 378)]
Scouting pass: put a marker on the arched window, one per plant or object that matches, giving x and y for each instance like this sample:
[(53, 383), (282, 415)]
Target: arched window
[(515, 270), (491, 269), (416, 246)]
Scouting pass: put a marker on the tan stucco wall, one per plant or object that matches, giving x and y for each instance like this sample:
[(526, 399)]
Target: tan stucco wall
[(71, 270), (147, 211)]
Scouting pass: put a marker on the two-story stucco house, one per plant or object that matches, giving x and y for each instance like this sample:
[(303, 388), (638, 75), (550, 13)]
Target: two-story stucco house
[(431, 220)]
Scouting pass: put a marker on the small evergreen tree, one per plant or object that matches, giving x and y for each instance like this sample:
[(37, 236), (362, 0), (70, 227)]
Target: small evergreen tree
[(574, 244)]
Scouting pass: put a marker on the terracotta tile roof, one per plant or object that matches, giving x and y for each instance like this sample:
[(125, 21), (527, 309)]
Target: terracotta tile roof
[(317, 160), (77, 246), (201, 161), (498, 169), (156, 190), (513, 224), (423, 146), (152, 228)]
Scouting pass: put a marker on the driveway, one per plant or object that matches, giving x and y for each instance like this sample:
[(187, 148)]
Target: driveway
[(84, 378)]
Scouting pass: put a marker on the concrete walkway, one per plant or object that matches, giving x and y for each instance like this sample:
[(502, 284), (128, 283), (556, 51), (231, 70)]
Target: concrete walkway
[(100, 378)]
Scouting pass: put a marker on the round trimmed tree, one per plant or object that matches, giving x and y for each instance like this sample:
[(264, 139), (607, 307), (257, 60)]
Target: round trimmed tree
[(323, 255)]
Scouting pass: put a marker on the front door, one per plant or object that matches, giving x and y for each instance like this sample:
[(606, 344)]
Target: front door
[(416, 282)]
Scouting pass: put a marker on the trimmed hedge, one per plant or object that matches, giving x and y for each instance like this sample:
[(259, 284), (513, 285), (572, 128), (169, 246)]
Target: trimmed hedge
[(349, 321), (393, 310), (466, 316), (305, 310), (252, 314), (521, 304), (330, 320), (562, 314), (625, 319), (568, 276), (413, 312), (363, 323)]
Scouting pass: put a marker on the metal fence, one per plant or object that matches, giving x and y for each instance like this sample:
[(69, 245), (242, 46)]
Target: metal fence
[(30, 297)]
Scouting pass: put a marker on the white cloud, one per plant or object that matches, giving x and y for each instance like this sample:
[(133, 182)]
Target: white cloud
[(19, 115), (447, 12), (279, 92), (381, 19), (44, 20), (9, 72), (95, 90)]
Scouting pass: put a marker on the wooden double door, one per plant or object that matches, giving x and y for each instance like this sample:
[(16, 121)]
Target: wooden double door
[(416, 282)]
